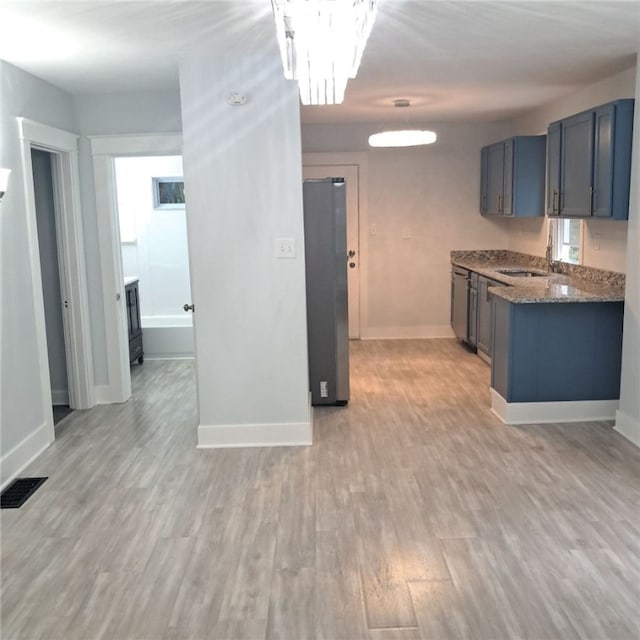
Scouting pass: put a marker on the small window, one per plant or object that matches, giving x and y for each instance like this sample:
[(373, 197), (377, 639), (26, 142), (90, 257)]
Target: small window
[(168, 193), (568, 240)]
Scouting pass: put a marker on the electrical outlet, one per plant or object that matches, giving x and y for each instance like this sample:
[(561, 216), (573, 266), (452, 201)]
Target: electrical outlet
[(285, 248), (373, 230), (596, 242)]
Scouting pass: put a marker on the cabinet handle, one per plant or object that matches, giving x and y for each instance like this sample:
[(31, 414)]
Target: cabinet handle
[(553, 202), (499, 203), (590, 200)]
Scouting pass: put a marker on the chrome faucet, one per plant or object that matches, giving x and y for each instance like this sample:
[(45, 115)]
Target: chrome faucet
[(551, 265)]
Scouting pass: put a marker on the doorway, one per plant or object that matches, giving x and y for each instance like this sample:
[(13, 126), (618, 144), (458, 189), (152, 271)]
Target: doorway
[(350, 175), (105, 150), (155, 253), (47, 222)]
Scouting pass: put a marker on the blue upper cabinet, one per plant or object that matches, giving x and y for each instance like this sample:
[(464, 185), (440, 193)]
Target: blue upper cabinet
[(589, 163), (494, 176), (512, 177), (576, 166), (553, 168)]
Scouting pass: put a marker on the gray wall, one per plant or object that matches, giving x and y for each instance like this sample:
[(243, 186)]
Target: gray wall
[(50, 270), (120, 113), (428, 193), (21, 411), (628, 418)]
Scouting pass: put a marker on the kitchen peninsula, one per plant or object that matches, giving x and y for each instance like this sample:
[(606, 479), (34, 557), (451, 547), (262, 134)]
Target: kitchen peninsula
[(556, 337)]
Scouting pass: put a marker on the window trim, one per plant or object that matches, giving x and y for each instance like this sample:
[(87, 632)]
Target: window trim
[(557, 232)]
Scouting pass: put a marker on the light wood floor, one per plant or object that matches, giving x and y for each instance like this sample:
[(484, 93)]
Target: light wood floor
[(415, 515)]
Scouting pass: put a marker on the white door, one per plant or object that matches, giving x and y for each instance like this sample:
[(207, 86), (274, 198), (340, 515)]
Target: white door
[(350, 175)]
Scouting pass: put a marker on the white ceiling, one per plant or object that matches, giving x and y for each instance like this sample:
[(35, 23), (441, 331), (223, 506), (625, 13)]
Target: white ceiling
[(455, 60)]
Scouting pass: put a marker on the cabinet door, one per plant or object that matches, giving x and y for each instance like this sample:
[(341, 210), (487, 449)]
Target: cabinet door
[(473, 315), (507, 178), (484, 159), (603, 161), (553, 168), (495, 179), (576, 166), (483, 337)]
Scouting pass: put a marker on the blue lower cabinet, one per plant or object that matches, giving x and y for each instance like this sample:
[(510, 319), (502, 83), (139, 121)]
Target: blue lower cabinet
[(555, 352)]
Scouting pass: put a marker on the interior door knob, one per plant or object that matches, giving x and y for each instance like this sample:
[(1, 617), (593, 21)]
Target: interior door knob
[(189, 307)]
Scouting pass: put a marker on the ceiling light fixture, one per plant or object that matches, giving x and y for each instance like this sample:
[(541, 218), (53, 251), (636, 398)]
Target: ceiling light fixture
[(321, 44), (402, 137)]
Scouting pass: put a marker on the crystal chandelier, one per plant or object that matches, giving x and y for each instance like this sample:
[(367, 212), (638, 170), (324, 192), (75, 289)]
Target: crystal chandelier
[(321, 43)]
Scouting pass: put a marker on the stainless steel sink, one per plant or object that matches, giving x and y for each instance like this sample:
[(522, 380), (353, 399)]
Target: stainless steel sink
[(521, 273)]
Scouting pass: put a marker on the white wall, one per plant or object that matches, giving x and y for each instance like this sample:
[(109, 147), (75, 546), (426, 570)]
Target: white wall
[(243, 177), (159, 254), (104, 114), (628, 417), (430, 194), (21, 414), (530, 236)]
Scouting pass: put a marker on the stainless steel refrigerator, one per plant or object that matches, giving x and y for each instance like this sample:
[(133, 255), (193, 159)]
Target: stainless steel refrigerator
[(325, 245)]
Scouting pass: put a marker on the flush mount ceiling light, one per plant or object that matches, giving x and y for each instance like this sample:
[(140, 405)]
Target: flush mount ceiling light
[(402, 137), (321, 44)]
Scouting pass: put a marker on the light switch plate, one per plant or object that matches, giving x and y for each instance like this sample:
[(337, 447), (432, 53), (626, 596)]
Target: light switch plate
[(285, 248)]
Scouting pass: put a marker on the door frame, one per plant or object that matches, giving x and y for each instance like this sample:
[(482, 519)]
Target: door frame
[(63, 147), (104, 150), (359, 160)]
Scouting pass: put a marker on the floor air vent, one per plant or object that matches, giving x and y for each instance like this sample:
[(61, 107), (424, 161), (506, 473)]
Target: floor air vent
[(18, 492)]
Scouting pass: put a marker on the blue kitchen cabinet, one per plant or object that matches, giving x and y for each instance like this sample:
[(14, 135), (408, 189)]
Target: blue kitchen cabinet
[(556, 352), (576, 166), (553, 168), (589, 163), (484, 168), (484, 315), (494, 179), (612, 160), (512, 174)]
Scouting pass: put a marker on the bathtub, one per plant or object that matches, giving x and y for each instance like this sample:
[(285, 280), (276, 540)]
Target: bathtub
[(168, 336)]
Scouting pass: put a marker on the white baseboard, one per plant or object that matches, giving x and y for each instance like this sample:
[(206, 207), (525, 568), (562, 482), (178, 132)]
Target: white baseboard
[(628, 427), (407, 333), (542, 412), (285, 434), (24, 453), (59, 396)]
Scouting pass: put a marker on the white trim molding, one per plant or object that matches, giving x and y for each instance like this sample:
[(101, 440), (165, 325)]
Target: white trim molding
[(63, 147), (103, 150), (286, 434), (545, 412), (628, 427), (24, 453)]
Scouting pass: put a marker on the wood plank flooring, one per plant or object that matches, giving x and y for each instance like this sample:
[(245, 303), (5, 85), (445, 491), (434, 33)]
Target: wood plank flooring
[(415, 515)]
